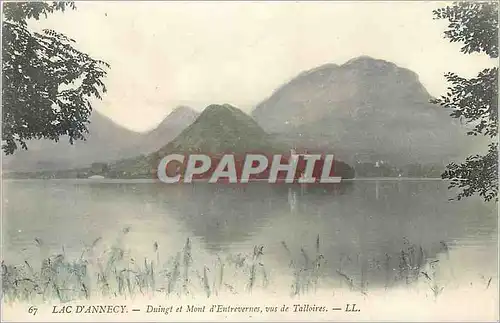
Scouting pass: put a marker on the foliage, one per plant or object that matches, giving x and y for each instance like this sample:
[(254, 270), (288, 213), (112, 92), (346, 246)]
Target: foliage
[(480, 173), (475, 24), (475, 100), (47, 83)]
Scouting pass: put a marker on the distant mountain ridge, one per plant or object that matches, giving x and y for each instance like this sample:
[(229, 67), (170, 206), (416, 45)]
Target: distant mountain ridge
[(364, 110), (106, 142), (173, 124)]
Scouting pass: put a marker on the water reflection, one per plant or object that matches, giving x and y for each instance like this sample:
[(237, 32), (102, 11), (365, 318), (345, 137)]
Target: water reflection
[(368, 231), (378, 232), (222, 214)]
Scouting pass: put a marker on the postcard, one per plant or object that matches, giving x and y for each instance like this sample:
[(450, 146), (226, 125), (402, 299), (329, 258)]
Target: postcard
[(249, 161)]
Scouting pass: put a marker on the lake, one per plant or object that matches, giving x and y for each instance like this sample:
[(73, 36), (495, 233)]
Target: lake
[(369, 234)]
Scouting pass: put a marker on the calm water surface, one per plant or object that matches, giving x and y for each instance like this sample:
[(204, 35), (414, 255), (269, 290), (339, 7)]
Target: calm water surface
[(361, 225)]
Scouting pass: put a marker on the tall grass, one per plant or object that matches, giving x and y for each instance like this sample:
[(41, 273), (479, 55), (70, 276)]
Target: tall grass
[(115, 272), (307, 270)]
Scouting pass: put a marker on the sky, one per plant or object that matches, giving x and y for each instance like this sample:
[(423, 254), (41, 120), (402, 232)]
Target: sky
[(166, 54)]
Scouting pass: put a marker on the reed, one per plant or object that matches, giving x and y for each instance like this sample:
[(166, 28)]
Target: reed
[(306, 270), (114, 272)]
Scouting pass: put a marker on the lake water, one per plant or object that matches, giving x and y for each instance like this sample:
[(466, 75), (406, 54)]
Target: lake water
[(366, 230)]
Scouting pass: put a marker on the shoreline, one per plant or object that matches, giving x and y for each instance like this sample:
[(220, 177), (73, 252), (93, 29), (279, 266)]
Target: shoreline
[(148, 180)]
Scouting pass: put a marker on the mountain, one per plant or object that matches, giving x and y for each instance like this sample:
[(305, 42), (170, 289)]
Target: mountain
[(180, 118), (364, 110), (106, 142), (222, 129), (218, 129)]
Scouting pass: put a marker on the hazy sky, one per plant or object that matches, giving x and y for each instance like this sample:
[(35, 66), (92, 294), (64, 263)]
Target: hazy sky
[(163, 54)]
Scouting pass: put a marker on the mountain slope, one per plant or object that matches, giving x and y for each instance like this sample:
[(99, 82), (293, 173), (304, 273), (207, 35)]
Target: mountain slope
[(222, 129), (219, 129), (180, 118), (364, 110), (106, 142)]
